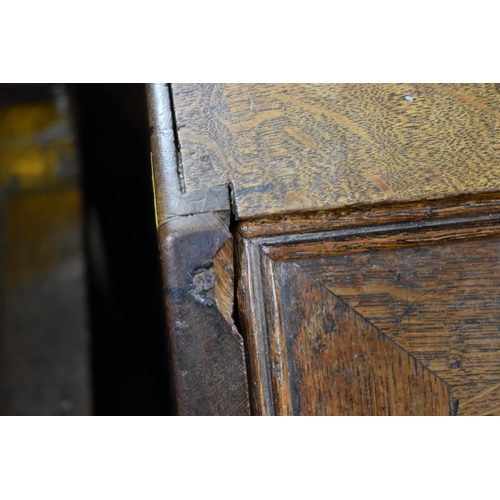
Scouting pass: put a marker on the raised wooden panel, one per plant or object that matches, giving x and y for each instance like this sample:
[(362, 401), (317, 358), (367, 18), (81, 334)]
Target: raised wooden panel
[(441, 303), (305, 147), (338, 363), (373, 320)]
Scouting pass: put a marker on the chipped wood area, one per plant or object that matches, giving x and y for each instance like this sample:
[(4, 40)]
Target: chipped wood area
[(305, 147), (395, 319), (208, 353), (207, 350)]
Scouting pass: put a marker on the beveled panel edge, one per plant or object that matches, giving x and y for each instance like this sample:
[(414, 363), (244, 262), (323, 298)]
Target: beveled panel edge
[(252, 324)]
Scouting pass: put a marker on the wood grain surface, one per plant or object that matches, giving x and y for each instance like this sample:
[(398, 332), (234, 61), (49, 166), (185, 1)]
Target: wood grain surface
[(365, 239), (252, 324), (171, 199), (440, 303), (428, 288), (338, 363), (306, 147), (369, 216), (207, 350)]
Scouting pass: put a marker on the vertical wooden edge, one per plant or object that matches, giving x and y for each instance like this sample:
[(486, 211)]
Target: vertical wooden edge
[(171, 200), (276, 334), (163, 152), (208, 354), (252, 322)]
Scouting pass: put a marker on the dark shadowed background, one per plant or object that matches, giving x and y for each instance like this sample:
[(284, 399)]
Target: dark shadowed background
[(82, 328)]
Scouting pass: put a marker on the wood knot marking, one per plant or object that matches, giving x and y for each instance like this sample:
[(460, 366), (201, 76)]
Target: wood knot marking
[(202, 285)]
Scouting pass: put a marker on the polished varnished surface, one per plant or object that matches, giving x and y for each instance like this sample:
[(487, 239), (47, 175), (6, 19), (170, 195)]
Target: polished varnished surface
[(306, 147)]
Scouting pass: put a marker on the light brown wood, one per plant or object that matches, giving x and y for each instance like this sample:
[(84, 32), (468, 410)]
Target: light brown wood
[(223, 269), (308, 147)]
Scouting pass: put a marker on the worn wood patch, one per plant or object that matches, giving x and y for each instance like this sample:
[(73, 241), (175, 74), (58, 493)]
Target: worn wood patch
[(306, 147), (207, 350), (197, 259)]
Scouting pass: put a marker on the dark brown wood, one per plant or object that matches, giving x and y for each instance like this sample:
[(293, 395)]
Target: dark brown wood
[(252, 322), (207, 350), (462, 206), (325, 180), (197, 259), (338, 363), (430, 293), (439, 302), (388, 236), (304, 147)]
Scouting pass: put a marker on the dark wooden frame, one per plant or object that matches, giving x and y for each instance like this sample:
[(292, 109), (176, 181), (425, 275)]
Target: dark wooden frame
[(193, 233)]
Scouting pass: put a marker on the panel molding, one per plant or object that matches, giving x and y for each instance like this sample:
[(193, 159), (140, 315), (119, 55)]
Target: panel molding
[(262, 257)]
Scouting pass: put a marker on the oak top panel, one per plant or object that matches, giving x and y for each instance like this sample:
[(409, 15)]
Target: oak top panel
[(304, 147)]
